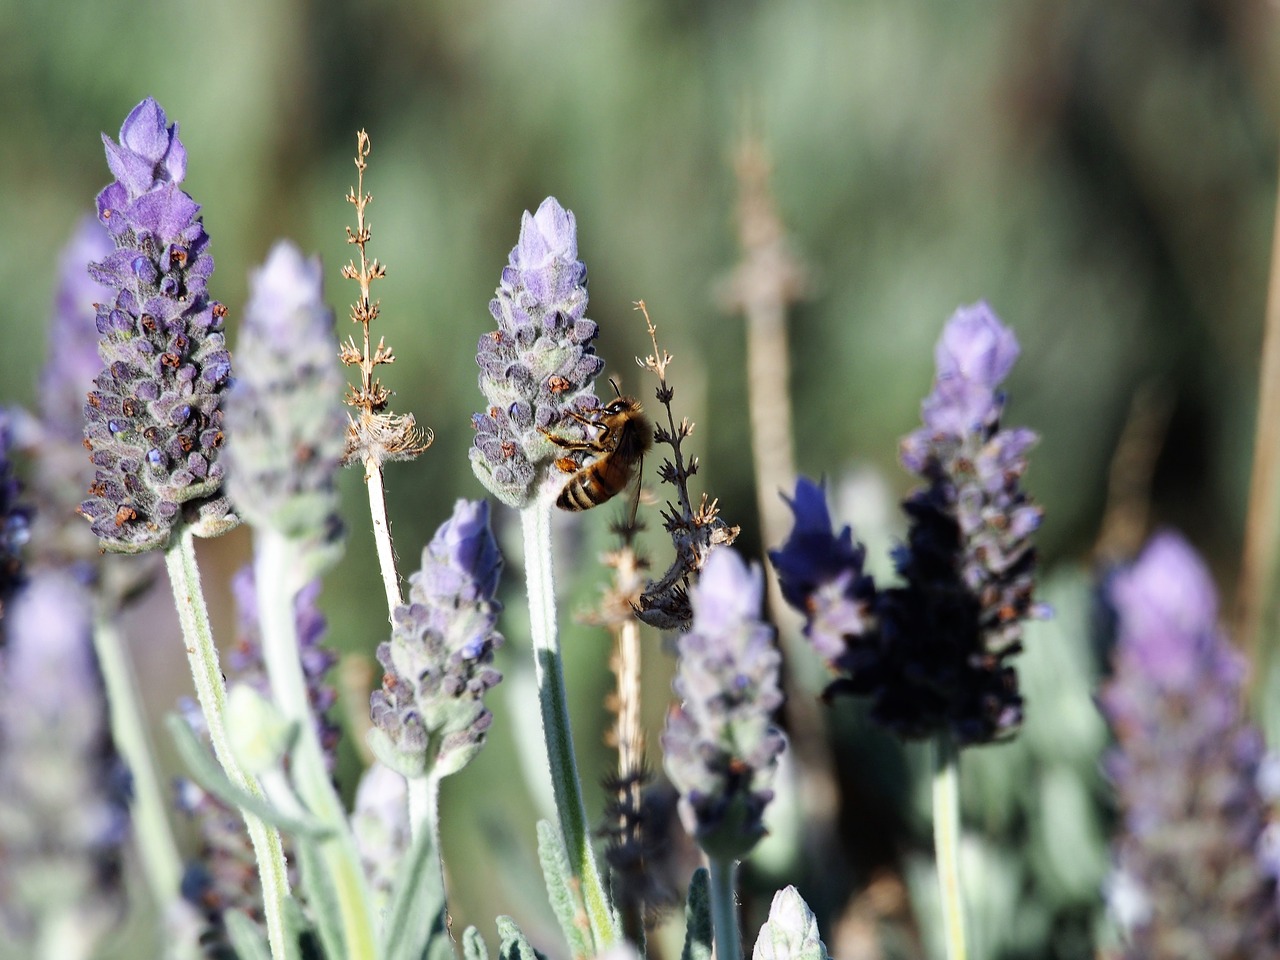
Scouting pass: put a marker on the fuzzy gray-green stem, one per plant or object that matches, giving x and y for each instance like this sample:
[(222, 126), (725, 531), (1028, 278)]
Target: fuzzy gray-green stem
[(946, 841), (535, 520), (157, 850), (277, 578), (724, 909), (382, 531), (211, 693)]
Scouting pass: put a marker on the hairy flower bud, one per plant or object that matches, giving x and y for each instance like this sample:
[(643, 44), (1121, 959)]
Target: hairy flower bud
[(429, 716), (720, 745), (791, 932), (153, 421), (285, 425), (539, 364), (1189, 879)]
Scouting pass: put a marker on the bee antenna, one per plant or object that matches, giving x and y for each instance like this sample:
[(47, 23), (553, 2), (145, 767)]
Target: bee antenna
[(614, 383)]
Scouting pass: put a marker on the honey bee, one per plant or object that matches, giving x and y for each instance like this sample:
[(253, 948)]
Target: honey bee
[(622, 436)]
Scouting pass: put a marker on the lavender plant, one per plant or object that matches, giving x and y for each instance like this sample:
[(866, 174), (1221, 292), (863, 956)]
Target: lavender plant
[(429, 715), (536, 371), (934, 653), (153, 421), (1189, 880), (721, 748)]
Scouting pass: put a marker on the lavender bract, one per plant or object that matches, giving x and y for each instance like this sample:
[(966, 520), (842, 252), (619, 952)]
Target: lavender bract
[(429, 716), (285, 425), (153, 421), (1190, 881), (933, 654), (720, 745), (540, 362)]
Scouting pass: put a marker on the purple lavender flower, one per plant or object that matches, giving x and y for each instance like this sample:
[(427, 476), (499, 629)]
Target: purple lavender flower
[(1185, 770), (153, 420), (284, 417), (429, 717), (539, 363), (720, 745), (63, 791), (933, 654)]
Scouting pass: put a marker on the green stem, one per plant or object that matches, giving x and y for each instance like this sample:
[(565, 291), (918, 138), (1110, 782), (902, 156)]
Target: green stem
[(424, 814), (724, 909), (946, 840), (202, 657), (156, 847), (535, 521), (278, 575)]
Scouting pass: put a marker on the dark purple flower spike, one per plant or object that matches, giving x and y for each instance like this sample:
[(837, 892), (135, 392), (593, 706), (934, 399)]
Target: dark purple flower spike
[(933, 654), (153, 422)]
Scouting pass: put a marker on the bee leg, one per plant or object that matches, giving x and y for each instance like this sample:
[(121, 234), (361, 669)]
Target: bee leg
[(565, 443), (567, 465)]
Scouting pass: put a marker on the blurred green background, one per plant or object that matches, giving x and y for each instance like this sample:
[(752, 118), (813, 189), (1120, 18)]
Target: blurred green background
[(1103, 173)]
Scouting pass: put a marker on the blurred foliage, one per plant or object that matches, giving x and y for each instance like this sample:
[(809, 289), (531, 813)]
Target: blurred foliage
[(1101, 172)]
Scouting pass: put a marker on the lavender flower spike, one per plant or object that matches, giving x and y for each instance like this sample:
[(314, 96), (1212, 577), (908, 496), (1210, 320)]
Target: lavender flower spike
[(539, 364), (429, 716), (969, 563), (720, 745), (153, 421), (1190, 879), (63, 790), (285, 424), (933, 653)]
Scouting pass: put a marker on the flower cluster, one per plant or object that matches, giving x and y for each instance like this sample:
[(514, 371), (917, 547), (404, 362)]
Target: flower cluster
[(429, 716), (540, 363), (933, 653), (64, 793), (1189, 880), (153, 421), (284, 411), (721, 747)]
